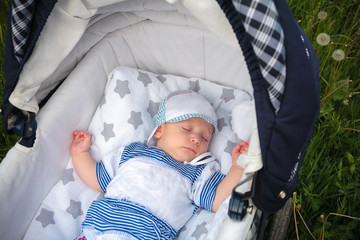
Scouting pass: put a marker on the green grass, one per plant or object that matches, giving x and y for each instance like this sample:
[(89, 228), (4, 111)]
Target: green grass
[(6, 141), (329, 178)]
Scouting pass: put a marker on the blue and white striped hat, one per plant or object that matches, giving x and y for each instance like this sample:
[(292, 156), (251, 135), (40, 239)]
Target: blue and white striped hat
[(181, 105)]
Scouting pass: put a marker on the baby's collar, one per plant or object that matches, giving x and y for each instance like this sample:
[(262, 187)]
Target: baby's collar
[(201, 159)]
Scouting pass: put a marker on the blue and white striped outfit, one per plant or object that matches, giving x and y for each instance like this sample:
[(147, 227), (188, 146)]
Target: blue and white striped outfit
[(148, 194)]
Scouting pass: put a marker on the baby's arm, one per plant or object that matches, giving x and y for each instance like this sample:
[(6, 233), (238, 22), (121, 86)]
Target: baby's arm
[(83, 163), (232, 178)]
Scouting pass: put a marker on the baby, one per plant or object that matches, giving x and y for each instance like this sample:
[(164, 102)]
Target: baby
[(151, 191)]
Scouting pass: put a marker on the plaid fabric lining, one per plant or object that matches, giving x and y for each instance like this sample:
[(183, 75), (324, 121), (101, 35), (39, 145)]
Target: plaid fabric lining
[(260, 20), (22, 12)]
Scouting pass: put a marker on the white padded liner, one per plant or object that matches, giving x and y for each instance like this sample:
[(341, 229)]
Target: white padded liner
[(68, 35), (39, 168), (161, 47)]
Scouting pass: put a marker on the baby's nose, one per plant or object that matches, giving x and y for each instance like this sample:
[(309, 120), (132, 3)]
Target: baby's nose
[(195, 139)]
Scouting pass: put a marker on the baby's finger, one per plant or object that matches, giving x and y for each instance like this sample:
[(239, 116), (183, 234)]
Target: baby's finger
[(236, 149), (76, 135), (86, 134), (244, 146)]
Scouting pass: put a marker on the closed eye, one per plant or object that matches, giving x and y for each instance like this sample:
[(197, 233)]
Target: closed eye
[(186, 129), (205, 139)]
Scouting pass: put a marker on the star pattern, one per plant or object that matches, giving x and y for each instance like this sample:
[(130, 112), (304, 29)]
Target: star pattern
[(108, 131), (221, 123), (229, 147), (194, 86), (144, 78), (135, 119), (75, 209), (183, 229), (68, 176), (103, 102), (238, 140), (227, 94), (122, 88), (45, 217), (200, 230), (161, 78), (153, 108)]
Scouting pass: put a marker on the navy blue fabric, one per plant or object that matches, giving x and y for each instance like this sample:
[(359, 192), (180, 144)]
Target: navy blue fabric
[(283, 137), (11, 66), (293, 125)]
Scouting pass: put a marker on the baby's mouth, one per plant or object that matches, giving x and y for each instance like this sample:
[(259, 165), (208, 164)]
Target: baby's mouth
[(190, 149)]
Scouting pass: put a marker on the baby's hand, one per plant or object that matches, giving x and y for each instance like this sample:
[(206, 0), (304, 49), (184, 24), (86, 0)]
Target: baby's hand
[(81, 142), (241, 148)]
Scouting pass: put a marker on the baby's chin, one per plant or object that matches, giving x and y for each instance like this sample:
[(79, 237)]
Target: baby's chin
[(187, 159), (183, 159)]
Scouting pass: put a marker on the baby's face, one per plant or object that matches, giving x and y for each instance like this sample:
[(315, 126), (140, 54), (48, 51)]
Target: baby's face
[(186, 139)]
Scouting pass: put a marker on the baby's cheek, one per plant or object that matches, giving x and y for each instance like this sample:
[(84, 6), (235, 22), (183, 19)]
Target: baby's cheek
[(202, 150), (206, 148)]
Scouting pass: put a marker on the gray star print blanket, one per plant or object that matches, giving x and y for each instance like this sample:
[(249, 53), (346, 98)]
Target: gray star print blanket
[(127, 114)]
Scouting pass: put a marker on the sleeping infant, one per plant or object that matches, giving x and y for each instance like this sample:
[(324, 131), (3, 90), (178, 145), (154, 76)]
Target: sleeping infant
[(152, 190)]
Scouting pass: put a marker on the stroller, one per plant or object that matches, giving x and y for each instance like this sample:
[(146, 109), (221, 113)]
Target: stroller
[(82, 59)]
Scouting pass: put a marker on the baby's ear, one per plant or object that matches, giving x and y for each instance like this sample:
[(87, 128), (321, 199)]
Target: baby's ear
[(158, 132)]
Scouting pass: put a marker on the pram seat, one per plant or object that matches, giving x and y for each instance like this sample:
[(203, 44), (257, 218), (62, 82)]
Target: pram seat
[(77, 98), (162, 37)]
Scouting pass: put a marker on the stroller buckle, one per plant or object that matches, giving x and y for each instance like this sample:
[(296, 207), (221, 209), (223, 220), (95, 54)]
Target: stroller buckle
[(239, 202), (239, 207)]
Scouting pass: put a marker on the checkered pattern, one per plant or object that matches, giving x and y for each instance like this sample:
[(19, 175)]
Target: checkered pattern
[(22, 12), (260, 20), (161, 115)]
